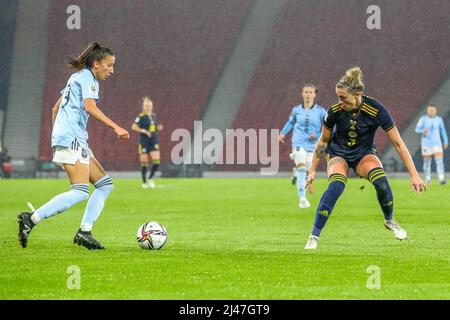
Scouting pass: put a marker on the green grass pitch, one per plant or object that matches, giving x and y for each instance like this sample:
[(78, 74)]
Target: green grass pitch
[(229, 239)]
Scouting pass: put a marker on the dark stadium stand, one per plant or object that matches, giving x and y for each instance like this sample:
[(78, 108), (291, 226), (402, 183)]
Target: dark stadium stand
[(307, 47), (7, 25), (176, 59)]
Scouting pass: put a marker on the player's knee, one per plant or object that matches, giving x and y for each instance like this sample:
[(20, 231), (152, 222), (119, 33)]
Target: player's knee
[(104, 184), (81, 191)]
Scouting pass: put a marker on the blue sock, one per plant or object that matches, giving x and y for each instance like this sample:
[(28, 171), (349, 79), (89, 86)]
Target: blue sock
[(62, 202), (440, 169), (96, 202), (427, 169), (301, 182), (378, 178), (336, 186)]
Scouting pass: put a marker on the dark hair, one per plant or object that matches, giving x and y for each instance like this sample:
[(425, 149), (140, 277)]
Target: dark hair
[(94, 52), (310, 85)]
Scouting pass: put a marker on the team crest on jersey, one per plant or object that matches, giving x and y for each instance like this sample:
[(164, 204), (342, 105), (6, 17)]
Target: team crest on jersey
[(84, 153), (92, 89)]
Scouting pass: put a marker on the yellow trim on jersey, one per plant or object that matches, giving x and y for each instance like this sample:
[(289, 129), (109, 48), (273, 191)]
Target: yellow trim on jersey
[(370, 107), (369, 110), (336, 107)]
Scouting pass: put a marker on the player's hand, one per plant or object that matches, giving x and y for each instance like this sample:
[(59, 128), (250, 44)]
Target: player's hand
[(313, 137), (417, 185), (445, 146), (309, 182), (281, 138), (122, 133), (160, 127), (425, 132)]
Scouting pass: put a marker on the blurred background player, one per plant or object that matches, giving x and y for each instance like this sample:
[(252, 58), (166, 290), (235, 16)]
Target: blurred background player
[(306, 119), (146, 124), (70, 115), (355, 119), (5, 164), (434, 136)]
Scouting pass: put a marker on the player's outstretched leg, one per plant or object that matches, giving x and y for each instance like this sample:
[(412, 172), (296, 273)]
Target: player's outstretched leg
[(58, 204), (103, 188), (294, 176), (144, 166), (155, 166), (301, 187), (440, 169), (377, 177), (427, 170), (336, 186)]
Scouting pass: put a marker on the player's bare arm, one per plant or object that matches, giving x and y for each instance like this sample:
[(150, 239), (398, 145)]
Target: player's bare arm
[(137, 129), (97, 114), (319, 153), (399, 145)]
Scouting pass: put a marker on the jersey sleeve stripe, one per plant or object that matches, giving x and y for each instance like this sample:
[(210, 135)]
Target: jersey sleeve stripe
[(370, 107), (368, 111), (390, 127)]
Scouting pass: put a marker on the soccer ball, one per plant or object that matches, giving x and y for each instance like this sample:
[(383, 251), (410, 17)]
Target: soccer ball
[(151, 236)]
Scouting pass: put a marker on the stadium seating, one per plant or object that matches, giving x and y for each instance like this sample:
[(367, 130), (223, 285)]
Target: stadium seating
[(176, 59), (7, 25), (307, 47)]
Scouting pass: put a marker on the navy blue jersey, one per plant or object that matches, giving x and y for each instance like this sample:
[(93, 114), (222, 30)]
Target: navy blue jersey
[(149, 123), (353, 133)]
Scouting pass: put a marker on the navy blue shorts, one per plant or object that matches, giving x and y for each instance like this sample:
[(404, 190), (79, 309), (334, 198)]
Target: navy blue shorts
[(354, 162), (147, 146)]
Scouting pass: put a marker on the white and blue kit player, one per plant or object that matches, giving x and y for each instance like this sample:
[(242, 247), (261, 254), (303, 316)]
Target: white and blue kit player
[(306, 122), (434, 140), (69, 134), (70, 115)]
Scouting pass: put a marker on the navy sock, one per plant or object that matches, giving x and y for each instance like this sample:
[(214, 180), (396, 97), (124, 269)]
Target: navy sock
[(144, 172), (155, 166), (378, 178), (336, 186)]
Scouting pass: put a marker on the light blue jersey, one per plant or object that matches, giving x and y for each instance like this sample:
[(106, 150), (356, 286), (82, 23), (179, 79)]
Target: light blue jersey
[(305, 121), (72, 118), (437, 135)]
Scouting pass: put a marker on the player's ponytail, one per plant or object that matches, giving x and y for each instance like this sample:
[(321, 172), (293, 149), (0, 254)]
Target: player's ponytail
[(352, 80), (94, 52)]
